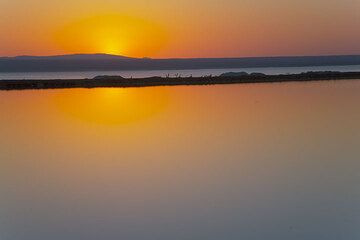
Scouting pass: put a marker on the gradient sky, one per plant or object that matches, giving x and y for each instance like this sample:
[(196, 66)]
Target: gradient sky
[(180, 28)]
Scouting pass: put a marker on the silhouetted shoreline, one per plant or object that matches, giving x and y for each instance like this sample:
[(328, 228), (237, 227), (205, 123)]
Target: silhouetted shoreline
[(105, 62), (227, 78)]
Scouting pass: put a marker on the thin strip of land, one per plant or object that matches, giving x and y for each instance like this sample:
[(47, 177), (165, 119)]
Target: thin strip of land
[(117, 81)]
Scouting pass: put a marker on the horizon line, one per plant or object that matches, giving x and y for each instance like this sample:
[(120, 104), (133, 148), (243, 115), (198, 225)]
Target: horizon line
[(174, 58)]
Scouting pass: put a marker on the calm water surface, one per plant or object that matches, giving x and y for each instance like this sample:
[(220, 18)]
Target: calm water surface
[(257, 161)]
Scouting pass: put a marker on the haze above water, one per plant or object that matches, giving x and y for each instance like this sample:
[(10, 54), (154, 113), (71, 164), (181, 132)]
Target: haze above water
[(256, 161), (173, 73)]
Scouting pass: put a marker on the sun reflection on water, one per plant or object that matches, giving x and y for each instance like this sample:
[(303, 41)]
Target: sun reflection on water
[(112, 105)]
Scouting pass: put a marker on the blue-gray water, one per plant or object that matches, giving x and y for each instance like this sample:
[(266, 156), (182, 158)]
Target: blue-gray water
[(164, 73), (254, 162)]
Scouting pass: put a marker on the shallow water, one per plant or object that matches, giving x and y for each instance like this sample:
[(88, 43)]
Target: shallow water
[(173, 73), (256, 161)]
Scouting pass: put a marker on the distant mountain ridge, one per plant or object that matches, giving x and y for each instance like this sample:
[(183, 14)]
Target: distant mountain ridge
[(106, 62), (69, 56)]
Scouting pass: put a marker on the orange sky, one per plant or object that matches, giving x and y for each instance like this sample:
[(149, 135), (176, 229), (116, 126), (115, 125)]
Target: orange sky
[(180, 28)]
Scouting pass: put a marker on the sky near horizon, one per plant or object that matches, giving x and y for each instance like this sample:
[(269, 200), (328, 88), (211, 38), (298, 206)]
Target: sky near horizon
[(180, 28)]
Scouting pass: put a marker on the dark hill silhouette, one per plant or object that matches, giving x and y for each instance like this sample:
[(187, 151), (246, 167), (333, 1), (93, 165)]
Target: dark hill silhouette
[(97, 56), (104, 62)]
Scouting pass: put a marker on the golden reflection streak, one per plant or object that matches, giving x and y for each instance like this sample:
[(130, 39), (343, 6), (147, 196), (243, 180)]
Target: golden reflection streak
[(112, 105)]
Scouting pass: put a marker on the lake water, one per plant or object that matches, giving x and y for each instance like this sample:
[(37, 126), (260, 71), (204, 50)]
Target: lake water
[(172, 73), (255, 161)]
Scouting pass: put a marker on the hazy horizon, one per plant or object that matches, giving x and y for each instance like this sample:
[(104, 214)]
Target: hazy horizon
[(170, 57), (64, 63)]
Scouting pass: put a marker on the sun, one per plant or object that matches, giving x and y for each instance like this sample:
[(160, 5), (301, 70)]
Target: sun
[(111, 34), (112, 46)]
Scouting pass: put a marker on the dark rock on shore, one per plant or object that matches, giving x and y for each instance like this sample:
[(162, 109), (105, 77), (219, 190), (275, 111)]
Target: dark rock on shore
[(107, 77)]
